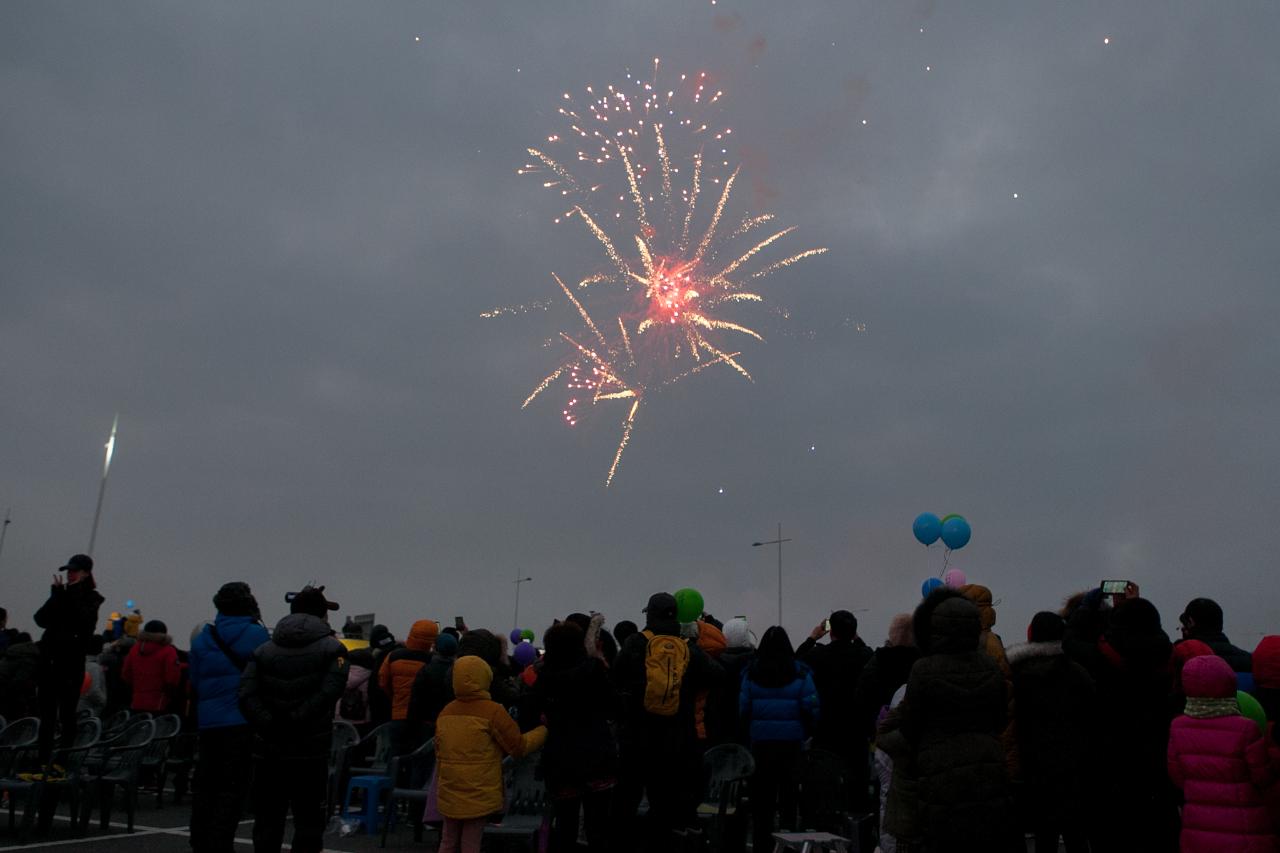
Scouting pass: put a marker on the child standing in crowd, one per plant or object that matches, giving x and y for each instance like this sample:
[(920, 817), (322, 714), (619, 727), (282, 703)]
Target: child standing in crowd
[(1219, 760), (472, 734)]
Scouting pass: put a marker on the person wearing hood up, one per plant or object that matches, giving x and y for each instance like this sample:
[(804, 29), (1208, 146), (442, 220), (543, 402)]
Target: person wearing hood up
[(1057, 731), (946, 732), (473, 733), (990, 644), (658, 675), (886, 671), (739, 652), (219, 655), (1219, 760), (151, 668), (69, 619), (397, 673), (287, 694)]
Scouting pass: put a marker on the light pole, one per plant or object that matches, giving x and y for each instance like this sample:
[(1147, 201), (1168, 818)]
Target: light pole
[(102, 487), (777, 542), (5, 527), (519, 580)]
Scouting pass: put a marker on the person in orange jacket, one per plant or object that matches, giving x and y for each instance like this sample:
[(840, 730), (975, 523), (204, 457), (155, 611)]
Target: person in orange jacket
[(396, 676), (473, 733)]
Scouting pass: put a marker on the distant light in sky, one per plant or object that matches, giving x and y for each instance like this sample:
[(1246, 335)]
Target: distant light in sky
[(1015, 195), (417, 38), (721, 490), (864, 121), (1106, 39), (812, 448), (928, 68)]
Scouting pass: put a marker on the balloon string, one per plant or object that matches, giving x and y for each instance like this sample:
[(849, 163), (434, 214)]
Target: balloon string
[(946, 556)]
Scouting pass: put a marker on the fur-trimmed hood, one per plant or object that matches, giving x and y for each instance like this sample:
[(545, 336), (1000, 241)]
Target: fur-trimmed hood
[(1026, 651)]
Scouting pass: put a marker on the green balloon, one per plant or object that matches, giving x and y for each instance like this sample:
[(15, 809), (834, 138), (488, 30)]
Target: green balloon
[(527, 634), (947, 518), (688, 605), (1250, 708)]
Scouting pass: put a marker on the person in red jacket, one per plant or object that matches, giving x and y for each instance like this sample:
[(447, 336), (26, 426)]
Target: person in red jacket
[(1219, 760), (152, 668)]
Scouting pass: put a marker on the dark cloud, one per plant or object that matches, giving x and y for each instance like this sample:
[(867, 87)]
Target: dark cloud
[(265, 235)]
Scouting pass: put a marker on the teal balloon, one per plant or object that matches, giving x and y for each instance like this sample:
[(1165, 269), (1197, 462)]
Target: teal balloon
[(929, 586), (689, 605), (926, 528), (1250, 708), (956, 533)]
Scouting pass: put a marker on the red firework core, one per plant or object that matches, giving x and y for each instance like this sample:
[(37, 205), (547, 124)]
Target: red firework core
[(673, 290)]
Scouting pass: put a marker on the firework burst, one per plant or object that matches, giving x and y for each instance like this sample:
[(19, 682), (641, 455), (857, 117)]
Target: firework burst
[(644, 156)]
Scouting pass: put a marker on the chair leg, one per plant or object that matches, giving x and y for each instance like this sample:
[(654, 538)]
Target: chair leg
[(131, 801), (160, 773), (106, 794), (391, 815)]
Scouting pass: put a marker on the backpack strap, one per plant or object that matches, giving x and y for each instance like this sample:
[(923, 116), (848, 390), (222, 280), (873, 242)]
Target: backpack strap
[(236, 661)]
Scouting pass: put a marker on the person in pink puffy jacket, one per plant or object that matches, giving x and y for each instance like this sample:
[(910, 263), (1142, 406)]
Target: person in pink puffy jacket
[(1219, 760)]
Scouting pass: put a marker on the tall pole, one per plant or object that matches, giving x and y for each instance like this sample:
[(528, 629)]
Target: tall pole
[(5, 527), (777, 542), (516, 617), (102, 486)]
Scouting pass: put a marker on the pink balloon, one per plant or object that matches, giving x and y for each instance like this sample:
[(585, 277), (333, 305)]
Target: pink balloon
[(954, 578)]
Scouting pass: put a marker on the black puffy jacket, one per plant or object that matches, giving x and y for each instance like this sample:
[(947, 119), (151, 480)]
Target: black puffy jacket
[(291, 687), (1056, 706), (578, 701), (953, 714)]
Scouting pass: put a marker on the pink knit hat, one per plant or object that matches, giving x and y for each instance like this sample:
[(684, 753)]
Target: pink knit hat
[(1209, 677)]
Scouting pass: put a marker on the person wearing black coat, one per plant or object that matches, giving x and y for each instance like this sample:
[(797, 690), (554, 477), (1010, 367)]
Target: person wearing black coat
[(288, 694), (888, 669), (657, 754), (1136, 806), (1056, 710), (837, 667), (580, 758), (948, 730), (69, 619), (1202, 620)]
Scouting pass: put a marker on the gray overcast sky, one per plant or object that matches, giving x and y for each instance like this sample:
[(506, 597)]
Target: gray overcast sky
[(265, 232)]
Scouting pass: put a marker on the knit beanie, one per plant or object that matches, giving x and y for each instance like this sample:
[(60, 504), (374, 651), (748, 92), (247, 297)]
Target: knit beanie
[(1266, 662), (736, 634), (380, 637), (155, 626), (446, 645), (235, 599), (1209, 677)]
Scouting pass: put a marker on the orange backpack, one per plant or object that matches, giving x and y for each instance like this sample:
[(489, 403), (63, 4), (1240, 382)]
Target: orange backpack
[(666, 659)]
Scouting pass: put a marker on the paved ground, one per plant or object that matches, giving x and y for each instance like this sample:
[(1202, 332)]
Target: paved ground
[(165, 831)]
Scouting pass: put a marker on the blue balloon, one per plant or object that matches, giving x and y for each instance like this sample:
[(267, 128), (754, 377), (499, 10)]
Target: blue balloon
[(929, 586), (956, 533), (927, 528)]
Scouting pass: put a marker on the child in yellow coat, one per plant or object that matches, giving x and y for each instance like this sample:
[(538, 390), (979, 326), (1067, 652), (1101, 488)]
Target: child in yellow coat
[(473, 733)]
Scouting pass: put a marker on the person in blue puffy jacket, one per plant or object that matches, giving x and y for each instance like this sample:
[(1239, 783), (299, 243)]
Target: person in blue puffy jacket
[(219, 653), (778, 704)]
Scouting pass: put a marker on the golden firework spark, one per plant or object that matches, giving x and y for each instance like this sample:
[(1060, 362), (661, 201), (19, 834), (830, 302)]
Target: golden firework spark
[(643, 154)]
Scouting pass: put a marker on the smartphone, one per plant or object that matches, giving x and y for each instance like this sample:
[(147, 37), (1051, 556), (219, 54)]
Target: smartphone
[(459, 623), (1114, 587), (828, 626)]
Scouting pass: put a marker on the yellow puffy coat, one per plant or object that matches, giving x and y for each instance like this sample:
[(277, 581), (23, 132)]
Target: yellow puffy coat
[(472, 734)]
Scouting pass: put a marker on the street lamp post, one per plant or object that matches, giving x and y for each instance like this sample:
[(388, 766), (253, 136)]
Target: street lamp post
[(777, 542), (519, 580), (5, 527)]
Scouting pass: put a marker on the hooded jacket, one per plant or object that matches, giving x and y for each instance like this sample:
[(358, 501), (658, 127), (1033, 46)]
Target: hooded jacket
[(1221, 765), (152, 669), (990, 644), (214, 678), (432, 690), (397, 672), (472, 734), (707, 716), (1056, 705), (290, 687), (954, 712)]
